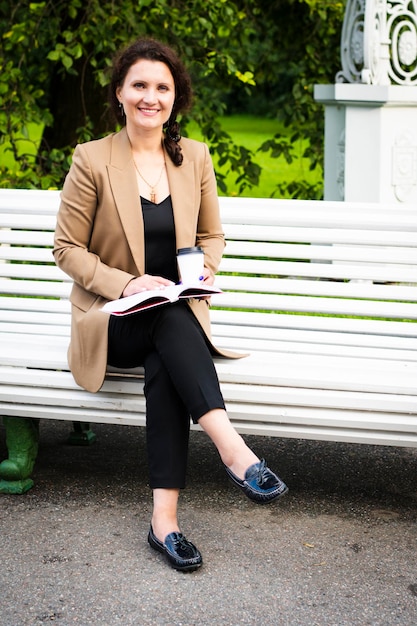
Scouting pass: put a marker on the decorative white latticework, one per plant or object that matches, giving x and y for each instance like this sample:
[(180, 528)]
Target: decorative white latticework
[(379, 42)]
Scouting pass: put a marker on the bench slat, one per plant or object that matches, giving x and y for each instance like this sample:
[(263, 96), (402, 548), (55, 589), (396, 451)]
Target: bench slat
[(316, 288), (33, 271), (15, 253), (251, 345), (20, 221), (318, 338), (346, 271), (332, 236), (306, 304), (26, 238), (34, 304), (349, 326), (29, 201), (47, 330), (40, 288), (314, 214), (359, 254)]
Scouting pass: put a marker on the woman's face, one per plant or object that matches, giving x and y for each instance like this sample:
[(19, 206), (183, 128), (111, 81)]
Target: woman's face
[(147, 94)]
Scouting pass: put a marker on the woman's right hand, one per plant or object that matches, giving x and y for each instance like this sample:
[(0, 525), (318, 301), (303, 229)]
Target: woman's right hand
[(146, 282)]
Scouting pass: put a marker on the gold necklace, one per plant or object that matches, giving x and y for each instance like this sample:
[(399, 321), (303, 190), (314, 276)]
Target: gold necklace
[(152, 188)]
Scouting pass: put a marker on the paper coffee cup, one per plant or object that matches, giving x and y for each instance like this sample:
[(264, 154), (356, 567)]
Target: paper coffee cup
[(190, 264)]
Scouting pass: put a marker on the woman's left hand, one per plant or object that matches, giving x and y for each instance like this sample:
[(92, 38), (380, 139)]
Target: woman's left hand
[(208, 277)]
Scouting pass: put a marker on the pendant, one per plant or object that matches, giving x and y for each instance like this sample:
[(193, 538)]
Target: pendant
[(153, 195)]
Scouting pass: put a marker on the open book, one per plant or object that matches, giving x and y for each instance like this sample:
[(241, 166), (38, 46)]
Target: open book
[(147, 299)]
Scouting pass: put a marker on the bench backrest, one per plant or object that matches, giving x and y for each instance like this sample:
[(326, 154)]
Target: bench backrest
[(288, 264)]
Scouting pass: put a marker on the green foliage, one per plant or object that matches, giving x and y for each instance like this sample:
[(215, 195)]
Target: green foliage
[(300, 48), (54, 65), (55, 57), (250, 131), (236, 158)]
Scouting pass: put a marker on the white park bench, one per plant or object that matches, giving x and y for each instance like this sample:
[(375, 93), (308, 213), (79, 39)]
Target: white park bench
[(322, 294)]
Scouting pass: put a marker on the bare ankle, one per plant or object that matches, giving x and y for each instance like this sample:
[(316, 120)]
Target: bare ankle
[(164, 516), (163, 527), (239, 460)]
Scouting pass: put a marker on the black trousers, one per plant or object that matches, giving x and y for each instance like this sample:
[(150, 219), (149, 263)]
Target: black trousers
[(180, 381)]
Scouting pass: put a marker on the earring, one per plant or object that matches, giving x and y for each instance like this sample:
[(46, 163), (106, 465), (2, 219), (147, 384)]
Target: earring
[(122, 111)]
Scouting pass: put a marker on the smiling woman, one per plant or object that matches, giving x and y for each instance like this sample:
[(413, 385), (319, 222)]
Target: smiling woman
[(129, 202), (147, 97), (149, 90), (172, 75)]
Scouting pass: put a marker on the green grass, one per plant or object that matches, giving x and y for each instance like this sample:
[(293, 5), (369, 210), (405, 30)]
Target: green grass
[(251, 132), (247, 131)]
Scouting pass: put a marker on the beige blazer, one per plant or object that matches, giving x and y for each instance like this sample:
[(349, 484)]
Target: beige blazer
[(99, 237)]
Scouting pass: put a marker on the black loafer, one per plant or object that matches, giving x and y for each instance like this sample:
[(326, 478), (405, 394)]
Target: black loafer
[(180, 553), (260, 483)]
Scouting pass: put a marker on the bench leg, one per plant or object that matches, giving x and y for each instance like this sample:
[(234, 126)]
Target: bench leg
[(22, 437), (81, 435)]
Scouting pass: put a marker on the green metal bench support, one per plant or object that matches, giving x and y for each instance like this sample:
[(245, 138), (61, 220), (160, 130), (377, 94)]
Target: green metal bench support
[(22, 437)]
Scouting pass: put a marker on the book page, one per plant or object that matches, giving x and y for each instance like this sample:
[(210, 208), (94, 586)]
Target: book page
[(155, 297)]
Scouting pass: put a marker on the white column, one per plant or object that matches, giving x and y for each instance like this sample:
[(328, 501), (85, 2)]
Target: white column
[(371, 110), (370, 142)]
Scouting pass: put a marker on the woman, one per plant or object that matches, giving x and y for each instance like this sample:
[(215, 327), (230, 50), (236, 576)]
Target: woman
[(129, 202)]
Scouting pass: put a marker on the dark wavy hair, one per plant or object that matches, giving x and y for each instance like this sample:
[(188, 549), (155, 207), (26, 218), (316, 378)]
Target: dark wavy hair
[(153, 50)]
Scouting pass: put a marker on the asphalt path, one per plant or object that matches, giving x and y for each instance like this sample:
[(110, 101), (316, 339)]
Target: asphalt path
[(340, 549)]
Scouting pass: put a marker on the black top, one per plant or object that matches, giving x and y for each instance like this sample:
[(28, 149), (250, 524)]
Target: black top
[(160, 244)]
